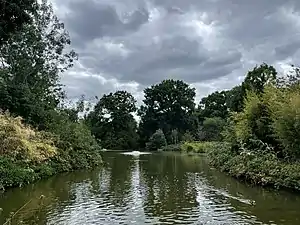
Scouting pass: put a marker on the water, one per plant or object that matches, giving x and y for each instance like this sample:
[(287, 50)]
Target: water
[(161, 188)]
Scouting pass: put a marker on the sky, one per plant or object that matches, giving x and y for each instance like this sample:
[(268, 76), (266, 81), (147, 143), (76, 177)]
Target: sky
[(210, 44)]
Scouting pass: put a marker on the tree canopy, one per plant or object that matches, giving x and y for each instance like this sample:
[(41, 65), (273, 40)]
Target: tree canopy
[(32, 59), (14, 14), (112, 121), (168, 105)]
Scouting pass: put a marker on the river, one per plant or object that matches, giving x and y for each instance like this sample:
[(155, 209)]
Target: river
[(159, 188)]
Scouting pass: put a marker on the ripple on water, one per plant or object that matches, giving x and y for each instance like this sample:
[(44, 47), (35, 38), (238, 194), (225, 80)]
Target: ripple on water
[(211, 208), (137, 196)]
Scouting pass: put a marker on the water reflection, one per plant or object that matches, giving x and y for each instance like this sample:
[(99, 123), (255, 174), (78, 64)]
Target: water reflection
[(150, 189)]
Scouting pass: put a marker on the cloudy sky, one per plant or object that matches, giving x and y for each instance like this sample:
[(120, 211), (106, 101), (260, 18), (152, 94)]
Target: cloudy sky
[(131, 44)]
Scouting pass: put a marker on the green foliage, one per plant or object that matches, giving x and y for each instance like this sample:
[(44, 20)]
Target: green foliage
[(33, 56), (264, 138), (214, 105), (20, 142), (262, 168), (168, 105), (12, 174), (187, 136), (14, 14), (175, 136), (211, 129), (234, 99), (257, 78), (284, 105), (197, 147), (156, 141), (112, 121), (27, 155), (32, 59), (172, 148)]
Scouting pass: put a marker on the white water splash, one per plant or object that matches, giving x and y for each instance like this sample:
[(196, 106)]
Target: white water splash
[(135, 153)]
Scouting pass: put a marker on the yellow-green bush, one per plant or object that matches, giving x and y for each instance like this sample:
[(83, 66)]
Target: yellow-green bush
[(284, 107), (254, 122), (22, 142), (27, 155)]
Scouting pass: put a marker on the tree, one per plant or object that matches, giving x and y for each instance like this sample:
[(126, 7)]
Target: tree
[(174, 135), (291, 80), (156, 141), (257, 78), (32, 59), (212, 128), (112, 121), (214, 105), (13, 15), (188, 137), (168, 105), (234, 99)]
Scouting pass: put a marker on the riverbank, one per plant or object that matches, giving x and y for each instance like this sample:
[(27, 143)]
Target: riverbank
[(259, 168), (28, 155), (190, 147)]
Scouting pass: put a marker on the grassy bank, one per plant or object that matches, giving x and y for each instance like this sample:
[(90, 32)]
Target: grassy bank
[(27, 155), (260, 168), (190, 147)]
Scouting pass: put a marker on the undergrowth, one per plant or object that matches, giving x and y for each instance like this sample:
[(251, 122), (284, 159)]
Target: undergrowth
[(27, 155), (260, 168)]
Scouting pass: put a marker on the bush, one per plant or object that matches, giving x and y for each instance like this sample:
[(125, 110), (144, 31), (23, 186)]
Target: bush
[(262, 168), (21, 142), (187, 136), (212, 128), (172, 148), (14, 174), (27, 154), (284, 106), (157, 141), (196, 147)]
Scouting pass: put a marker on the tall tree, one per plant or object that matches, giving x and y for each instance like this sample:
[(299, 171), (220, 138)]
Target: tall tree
[(13, 15), (234, 99), (257, 78), (112, 121), (32, 59), (168, 105), (214, 105)]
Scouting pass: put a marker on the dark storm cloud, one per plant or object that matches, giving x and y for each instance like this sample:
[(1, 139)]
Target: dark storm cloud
[(92, 20), (199, 41), (287, 50)]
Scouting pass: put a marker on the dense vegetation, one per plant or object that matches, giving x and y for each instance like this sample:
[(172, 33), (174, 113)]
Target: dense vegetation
[(257, 119), (39, 136), (256, 122)]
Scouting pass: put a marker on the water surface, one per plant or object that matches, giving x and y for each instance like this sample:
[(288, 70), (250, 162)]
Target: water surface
[(161, 188)]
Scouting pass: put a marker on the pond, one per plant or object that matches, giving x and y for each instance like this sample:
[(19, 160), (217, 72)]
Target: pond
[(159, 188)]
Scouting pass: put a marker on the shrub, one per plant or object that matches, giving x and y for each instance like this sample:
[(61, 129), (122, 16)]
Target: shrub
[(197, 147), (172, 148), (187, 136), (156, 141), (212, 128), (22, 142), (27, 154), (284, 105), (262, 168)]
